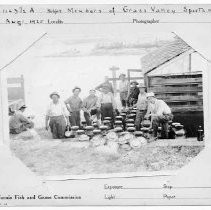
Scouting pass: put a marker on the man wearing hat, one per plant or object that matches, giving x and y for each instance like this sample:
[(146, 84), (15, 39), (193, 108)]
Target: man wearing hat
[(18, 122), (141, 105), (160, 113), (106, 84), (91, 107), (107, 104), (123, 89), (57, 116), (133, 94), (74, 106)]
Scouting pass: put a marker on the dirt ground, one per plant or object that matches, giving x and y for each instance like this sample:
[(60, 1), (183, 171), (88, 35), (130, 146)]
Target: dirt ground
[(53, 157)]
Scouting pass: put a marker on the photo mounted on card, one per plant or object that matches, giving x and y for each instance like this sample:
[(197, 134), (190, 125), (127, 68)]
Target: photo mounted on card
[(105, 104)]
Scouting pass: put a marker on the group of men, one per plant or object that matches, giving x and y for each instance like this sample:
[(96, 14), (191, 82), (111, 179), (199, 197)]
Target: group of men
[(60, 114), (148, 107)]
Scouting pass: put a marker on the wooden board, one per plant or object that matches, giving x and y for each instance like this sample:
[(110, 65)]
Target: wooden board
[(186, 108), (174, 81), (180, 97), (172, 89)]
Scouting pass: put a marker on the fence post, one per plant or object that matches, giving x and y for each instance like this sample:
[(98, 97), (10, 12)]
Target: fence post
[(114, 69)]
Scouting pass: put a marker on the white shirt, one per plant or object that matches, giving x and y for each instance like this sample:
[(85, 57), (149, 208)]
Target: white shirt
[(160, 107), (58, 109), (123, 86), (107, 98)]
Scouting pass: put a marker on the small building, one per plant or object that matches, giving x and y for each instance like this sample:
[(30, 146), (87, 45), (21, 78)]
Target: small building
[(174, 73)]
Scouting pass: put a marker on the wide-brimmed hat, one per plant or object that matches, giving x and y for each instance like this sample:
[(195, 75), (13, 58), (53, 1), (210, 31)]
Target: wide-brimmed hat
[(118, 129), (54, 93), (118, 122), (150, 94), (80, 132), (97, 131), (126, 147), (122, 75), (83, 137), (112, 136), (103, 127), (22, 106), (135, 144), (89, 128), (141, 85), (122, 140), (138, 133), (118, 117), (134, 82), (74, 128), (76, 87), (131, 129)]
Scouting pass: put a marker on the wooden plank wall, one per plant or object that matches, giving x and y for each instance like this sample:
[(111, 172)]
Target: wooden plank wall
[(182, 92)]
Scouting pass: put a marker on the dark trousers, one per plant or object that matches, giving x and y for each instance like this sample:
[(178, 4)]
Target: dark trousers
[(163, 121), (131, 101), (123, 102), (107, 111), (75, 118), (139, 118), (58, 126), (87, 116)]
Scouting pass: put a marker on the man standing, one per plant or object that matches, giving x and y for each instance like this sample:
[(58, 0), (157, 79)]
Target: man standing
[(107, 104), (106, 84), (123, 89), (141, 106), (160, 113), (90, 107), (74, 105), (57, 117), (18, 122), (133, 94)]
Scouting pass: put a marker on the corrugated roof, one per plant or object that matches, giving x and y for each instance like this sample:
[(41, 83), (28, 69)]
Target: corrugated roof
[(164, 54)]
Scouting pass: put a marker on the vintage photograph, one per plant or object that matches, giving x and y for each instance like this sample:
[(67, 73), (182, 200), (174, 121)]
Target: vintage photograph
[(103, 99), (105, 104), (85, 101)]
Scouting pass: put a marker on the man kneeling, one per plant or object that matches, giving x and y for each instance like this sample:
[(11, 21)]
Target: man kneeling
[(18, 122), (160, 114)]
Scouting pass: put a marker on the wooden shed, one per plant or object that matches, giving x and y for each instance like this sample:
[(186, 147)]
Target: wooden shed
[(174, 73)]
